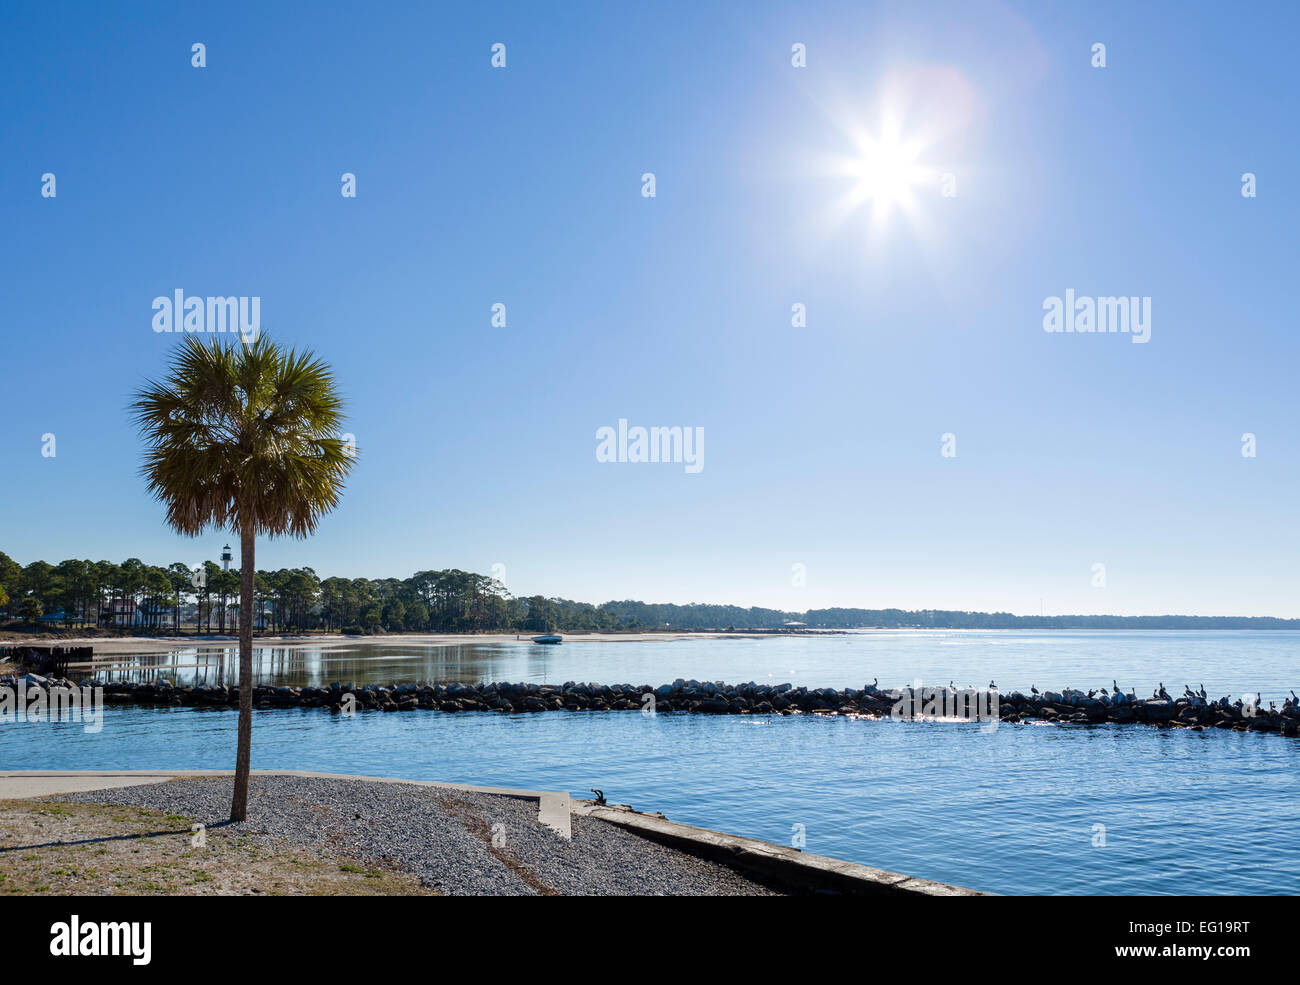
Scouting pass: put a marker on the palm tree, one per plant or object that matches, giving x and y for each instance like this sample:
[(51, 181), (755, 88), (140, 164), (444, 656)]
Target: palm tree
[(245, 439)]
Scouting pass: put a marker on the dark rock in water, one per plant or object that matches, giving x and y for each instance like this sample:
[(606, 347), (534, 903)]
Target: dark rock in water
[(1158, 710), (709, 698)]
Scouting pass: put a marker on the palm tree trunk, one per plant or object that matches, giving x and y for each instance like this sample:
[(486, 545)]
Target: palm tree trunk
[(239, 802)]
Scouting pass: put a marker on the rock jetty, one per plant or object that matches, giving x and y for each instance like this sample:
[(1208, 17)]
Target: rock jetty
[(1069, 707)]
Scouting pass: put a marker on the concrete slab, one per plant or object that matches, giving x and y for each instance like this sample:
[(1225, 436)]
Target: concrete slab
[(554, 811), (553, 808), (21, 787)]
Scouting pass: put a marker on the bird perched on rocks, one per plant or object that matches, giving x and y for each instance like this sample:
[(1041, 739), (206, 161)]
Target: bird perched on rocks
[(600, 795), (1092, 693), (1033, 690), (1163, 693), (1105, 693), (1203, 694), (1114, 685), (992, 686)]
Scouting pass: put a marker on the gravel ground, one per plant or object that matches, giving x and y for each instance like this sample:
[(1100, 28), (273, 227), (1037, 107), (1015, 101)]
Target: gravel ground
[(452, 842)]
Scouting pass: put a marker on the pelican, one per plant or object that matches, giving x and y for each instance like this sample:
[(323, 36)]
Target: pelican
[(992, 686), (1092, 693), (1203, 694), (1105, 693), (1032, 689), (1114, 685)]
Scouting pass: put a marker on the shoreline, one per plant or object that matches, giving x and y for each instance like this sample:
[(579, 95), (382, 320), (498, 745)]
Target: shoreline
[(111, 646), (440, 835), (120, 645)]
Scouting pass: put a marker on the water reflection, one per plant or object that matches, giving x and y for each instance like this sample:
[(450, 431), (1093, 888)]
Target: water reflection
[(1227, 662), (363, 664)]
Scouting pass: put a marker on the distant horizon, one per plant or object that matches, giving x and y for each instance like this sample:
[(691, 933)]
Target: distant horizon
[(799, 615)]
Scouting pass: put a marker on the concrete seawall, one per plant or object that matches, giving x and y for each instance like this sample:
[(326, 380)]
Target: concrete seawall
[(776, 865)]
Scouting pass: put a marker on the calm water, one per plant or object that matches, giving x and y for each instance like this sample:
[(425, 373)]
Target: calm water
[(1014, 811), (1226, 662)]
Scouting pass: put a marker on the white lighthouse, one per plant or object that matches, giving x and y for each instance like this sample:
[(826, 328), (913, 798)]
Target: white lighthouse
[(226, 558)]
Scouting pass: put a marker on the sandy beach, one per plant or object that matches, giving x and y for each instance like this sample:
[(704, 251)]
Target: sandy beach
[(107, 646)]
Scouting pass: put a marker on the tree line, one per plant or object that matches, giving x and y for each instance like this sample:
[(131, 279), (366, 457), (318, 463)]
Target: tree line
[(151, 598)]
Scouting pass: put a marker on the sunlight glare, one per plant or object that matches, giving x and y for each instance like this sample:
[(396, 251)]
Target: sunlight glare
[(886, 173)]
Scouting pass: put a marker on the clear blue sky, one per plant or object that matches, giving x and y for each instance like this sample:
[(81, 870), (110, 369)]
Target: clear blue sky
[(523, 186)]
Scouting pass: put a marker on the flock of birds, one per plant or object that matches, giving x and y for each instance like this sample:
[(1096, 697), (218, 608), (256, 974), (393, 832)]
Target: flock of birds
[(1291, 704)]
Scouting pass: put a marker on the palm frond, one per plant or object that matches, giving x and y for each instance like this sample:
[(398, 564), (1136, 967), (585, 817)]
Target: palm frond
[(239, 436)]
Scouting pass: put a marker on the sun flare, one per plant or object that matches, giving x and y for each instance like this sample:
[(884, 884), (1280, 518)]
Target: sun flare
[(887, 172), (896, 154), (883, 173)]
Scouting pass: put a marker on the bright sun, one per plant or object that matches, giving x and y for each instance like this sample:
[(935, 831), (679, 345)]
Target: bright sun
[(887, 172), (890, 163), (883, 173)]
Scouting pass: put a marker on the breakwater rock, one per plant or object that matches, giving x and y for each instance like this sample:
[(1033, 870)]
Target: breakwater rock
[(1070, 707)]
